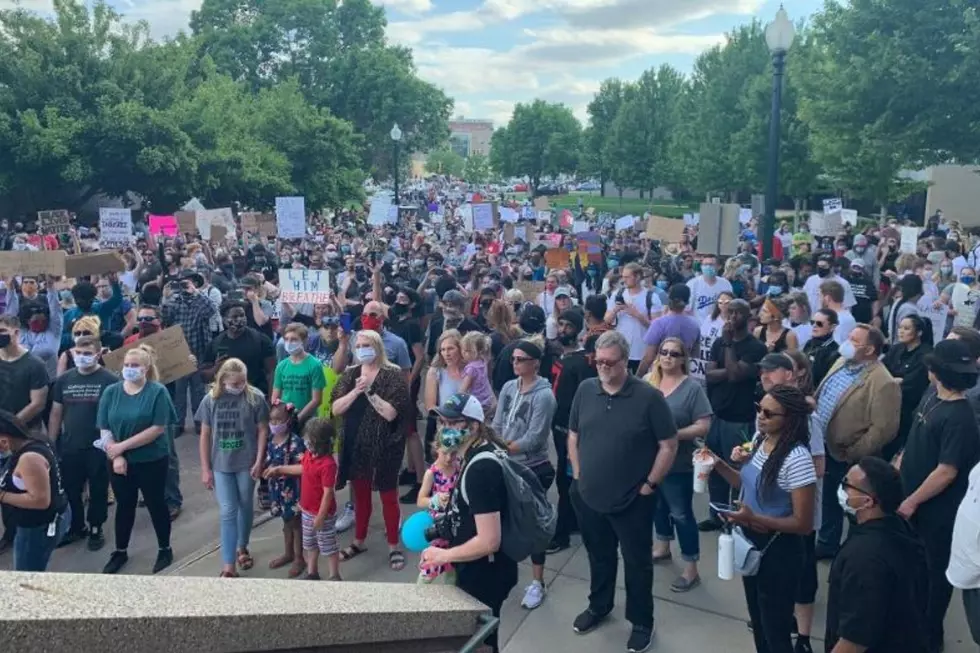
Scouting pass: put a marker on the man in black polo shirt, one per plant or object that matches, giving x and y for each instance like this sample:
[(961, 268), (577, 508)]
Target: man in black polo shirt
[(732, 376), (621, 442), (879, 582), (244, 343)]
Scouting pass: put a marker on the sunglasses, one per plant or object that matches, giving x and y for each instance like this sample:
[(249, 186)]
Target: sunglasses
[(606, 363), (79, 334), (765, 412), (146, 318), (817, 323), (330, 321), (671, 353)]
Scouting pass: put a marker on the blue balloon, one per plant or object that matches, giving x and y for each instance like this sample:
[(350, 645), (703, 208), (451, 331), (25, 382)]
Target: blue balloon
[(413, 531)]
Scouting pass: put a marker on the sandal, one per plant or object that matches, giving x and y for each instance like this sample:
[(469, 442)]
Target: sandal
[(227, 574), (296, 569), (351, 552), (281, 561), (245, 560), (396, 560)]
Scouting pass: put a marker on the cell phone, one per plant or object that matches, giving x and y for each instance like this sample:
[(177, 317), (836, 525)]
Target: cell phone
[(345, 322), (724, 507)]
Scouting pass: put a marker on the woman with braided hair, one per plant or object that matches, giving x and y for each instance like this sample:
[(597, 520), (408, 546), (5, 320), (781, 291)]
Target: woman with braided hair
[(778, 483)]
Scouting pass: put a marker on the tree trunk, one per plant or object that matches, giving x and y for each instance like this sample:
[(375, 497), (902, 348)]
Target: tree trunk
[(602, 184), (797, 206)]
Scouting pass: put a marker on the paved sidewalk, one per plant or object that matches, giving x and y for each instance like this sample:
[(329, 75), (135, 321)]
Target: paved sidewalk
[(709, 618)]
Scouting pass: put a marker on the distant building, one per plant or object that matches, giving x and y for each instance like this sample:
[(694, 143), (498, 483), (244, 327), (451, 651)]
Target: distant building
[(955, 190), (632, 194), (470, 136)]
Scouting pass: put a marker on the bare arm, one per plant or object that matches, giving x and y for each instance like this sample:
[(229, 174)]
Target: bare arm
[(54, 420), (431, 389), (144, 437), (573, 453), (425, 492), (698, 429), (342, 404), (936, 482), (310, 408), (34, 470), (485, 543), (666, 453), (386, 410)]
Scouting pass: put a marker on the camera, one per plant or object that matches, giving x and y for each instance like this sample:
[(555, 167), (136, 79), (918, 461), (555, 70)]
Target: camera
[(440, 530)]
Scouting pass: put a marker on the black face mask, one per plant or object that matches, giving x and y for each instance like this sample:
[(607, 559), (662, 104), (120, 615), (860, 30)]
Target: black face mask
[(823, 272), (4, 340), (566, 339), (399, 310)]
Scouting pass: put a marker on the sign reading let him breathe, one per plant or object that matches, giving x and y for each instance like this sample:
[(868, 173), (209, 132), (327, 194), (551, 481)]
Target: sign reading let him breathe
[(304, 286)]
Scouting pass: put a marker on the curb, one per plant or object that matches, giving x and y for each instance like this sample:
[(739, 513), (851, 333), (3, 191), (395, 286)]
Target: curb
[(210, 548)]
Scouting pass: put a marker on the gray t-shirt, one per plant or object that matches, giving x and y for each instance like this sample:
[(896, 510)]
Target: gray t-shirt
[(234, 423), (688, 403)]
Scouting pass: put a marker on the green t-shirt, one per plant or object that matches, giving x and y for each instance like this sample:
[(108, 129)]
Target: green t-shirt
[(127, 415), (297, 381)]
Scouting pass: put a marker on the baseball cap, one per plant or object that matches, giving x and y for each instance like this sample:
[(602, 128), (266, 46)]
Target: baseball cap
[(563, 291), (460, 405), (952, 355), (771, 362), (857, 263)]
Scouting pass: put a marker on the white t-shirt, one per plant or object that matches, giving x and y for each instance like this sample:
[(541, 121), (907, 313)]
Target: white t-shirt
[(958, 264), (812, 290), (546, 301), (845, 324), (629, 326), (710, 331), (704, 295), (964, 560)]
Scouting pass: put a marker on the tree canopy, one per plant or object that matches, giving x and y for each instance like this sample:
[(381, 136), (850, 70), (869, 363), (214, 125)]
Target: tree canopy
[(542, 139)]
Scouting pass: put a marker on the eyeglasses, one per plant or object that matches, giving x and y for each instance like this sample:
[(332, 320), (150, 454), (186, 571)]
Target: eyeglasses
[(818, 323), (765, 412), (606, 363), (848, 486), (671, 353)]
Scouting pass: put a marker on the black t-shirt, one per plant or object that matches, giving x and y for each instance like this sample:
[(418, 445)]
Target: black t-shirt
[(942, 432), (568, 372), (410, 331), (618, 439), (735, 402), (435, 330), (265, 329), (17, 379), (865, 295), (252, 348), (878, 588), (79, 396), (487, 579)]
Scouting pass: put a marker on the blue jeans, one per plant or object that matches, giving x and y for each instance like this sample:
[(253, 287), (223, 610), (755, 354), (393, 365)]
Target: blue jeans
[(675, 511), (171, 490), (832, 524), (33, 547), (234, 492)]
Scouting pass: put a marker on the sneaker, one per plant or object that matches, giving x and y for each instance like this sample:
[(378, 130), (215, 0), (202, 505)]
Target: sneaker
[(557, 547), (410, 497), (803, 645), (165, 558), (709, 525), (175, 512), (587, 621), (72, 536), (96, 538), (346, 519), (681, 584), (533, 595), (640, 639), (116, 562)]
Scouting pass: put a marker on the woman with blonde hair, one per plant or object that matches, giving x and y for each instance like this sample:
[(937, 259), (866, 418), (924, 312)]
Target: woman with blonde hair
[(133, 415), (87, 325), (234, 419), (502, 320), (444, 378), (372, 400), (675, 501)]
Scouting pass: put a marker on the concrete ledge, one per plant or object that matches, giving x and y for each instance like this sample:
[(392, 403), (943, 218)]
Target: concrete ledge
[(52, 613)]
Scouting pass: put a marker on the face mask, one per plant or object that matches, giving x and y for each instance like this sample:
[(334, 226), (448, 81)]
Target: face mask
[(132, 374), (4, 340), (662, 284), (371, 323), (845, 506), (968, 280), (278, 429), (452, 438), (566, 339), (83, 361), (823, 272), (859, 250), (399, 309), (708, 270), (946, 270), (452, 315), (38, 324), (365, 354), (775, 291), (847, 350), (233, 390), (292, 347), (235, 323)]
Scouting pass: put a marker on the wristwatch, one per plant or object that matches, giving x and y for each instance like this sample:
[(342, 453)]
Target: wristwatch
[(650, 484)]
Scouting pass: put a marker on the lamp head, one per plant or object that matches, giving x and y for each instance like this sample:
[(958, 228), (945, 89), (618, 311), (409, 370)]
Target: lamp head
[(396, 133), (780, 32)]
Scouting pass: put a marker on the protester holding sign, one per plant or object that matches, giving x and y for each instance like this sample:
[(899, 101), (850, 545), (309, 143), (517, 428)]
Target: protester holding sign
[(43, 319)]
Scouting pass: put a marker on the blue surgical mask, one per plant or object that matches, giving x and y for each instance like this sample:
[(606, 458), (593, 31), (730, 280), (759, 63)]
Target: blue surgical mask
[(967, 279), (662, 284), (708, 270), (292, 347), (365, 354), (132, 374), (84, 361), (775, 291)]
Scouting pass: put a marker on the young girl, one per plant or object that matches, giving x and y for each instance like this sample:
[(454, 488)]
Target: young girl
[(318, 502), (437, 485), (476, 352), (285, 448)]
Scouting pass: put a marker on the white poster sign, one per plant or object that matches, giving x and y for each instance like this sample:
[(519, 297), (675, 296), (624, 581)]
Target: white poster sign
[(691, 219), (824, 225), (115, 228), (482, 216), (580, 226), (910, 237), (509, 215), (849, 216), (291, 217), (521, 232), (625, 222), (304, 286), (744, 216), (544, 216), (832, 205), (215, 217)]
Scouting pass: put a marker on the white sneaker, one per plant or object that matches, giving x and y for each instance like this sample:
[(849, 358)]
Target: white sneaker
[(346, 519), (533, 595)]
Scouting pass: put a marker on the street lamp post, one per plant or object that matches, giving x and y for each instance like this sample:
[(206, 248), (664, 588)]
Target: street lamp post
[(779, 38), (396, 137)]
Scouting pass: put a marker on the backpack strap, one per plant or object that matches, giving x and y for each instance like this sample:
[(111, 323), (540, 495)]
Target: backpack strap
[(649, 303), (496, 454)]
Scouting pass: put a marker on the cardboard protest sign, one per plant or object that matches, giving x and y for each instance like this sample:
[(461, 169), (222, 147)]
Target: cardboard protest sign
[(291, 217), (186, 221), (530, 289), (509, 229), (32, 264), (304, 286), (542, 204), (556, 259), (849, 216), (758, 204), (484, 216), (667, 230), (825, 225), (910, 238), (719, 229), (173, 354), (53, 222), (210, 218), (832, 205), (165, 225), (87, 265), (115, 227), (218, 233)]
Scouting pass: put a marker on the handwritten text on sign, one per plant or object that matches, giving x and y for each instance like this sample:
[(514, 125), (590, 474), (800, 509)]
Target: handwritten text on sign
[(304, 286)]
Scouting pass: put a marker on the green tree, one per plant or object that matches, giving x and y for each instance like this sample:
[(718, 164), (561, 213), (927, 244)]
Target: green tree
[(602, 112), (477, 169), (542, 139), (445, 161)]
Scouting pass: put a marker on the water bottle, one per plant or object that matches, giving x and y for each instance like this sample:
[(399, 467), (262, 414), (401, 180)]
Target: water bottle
[(726, 556)]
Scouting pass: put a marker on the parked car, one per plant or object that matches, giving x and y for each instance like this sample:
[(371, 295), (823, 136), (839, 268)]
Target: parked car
[(549, 190), (589, 186)]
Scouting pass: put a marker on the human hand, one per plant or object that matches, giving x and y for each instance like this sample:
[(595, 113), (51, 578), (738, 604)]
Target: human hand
[(115, 449), (256, 471), (271, 472), (361, 385), (740, 454), (743, 516), (207, 478), (435, 556), (908, 508), (645, 490), (120, 466), (318, 522)]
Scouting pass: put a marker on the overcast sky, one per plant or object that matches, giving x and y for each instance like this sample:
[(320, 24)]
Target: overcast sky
[(491, 54)]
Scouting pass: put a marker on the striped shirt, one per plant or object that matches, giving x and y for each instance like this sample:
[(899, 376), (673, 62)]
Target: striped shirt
[(834, 388), (797, 470)]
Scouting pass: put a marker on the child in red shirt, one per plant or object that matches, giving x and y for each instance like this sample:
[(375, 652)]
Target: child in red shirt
[(317, 500)]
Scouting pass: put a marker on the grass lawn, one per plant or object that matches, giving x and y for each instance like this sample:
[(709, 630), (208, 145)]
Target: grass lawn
[(616, 206)]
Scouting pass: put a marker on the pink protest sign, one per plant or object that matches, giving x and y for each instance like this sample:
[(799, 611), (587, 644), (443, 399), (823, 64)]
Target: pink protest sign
[(163, 224)]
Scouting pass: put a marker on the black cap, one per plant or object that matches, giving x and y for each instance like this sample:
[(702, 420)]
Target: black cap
[(573, 317), (532, 318), (193, 276), (771, 362), (952, 355)]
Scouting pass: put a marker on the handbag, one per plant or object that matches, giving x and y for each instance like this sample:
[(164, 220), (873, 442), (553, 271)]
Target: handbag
[(748, 558)]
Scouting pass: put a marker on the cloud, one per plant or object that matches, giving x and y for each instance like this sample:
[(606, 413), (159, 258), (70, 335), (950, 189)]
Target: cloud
[(406, 6), (619, 14)]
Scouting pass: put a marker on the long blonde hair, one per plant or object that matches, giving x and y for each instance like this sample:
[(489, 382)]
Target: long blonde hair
[(449, 334), (233, 366), (378, 345), (656, 375), (147, 358)]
